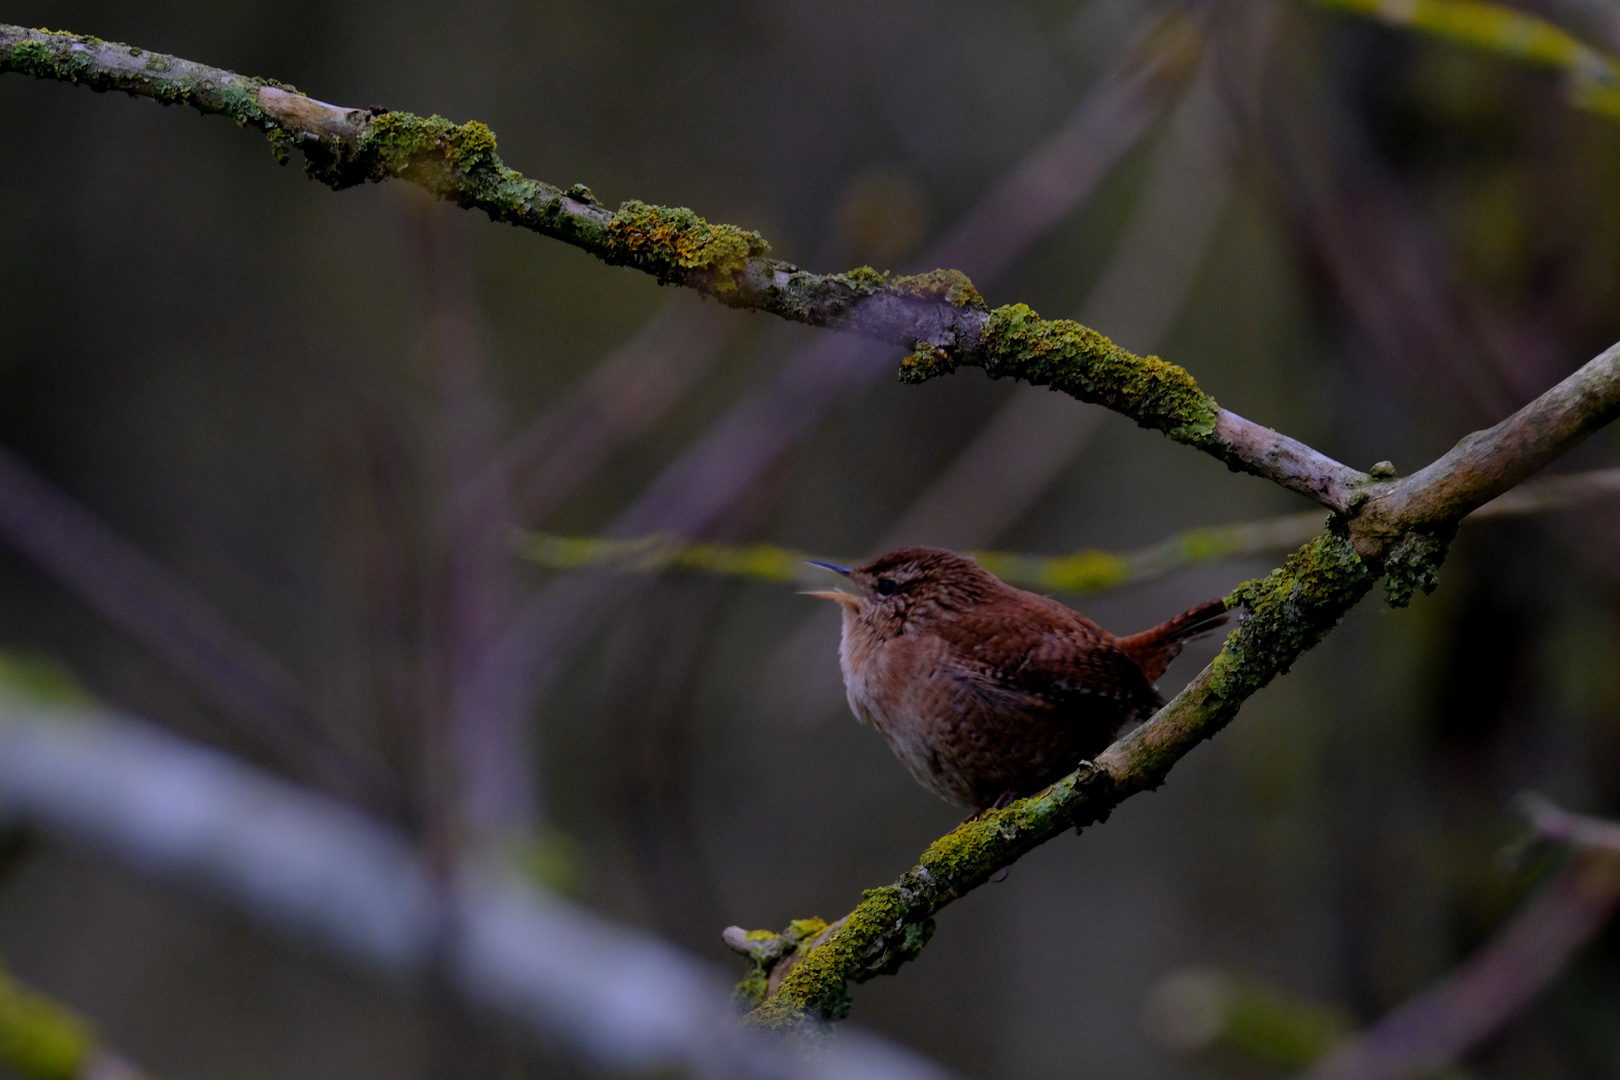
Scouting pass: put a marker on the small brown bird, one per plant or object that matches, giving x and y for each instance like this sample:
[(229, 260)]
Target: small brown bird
[(986, 692)]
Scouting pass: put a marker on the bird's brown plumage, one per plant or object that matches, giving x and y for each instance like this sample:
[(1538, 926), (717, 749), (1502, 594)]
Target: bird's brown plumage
[(984, 691)]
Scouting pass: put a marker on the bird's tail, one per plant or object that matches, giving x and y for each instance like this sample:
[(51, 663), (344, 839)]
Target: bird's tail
[(1154, 649)]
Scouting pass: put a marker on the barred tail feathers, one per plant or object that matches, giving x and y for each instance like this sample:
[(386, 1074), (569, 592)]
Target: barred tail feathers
[(1154, 649)]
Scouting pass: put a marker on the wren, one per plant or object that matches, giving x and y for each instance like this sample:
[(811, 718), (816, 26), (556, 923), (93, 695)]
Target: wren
[(985, 692)]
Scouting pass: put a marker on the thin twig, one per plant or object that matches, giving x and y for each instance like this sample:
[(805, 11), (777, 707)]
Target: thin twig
[(1553, 822), (1594, 77), (254, 695), (1082, 572), (1438, 1026), (1488, 463)]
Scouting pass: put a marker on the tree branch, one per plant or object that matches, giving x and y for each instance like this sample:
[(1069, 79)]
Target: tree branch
[(1488, 463), (1594, 77), (1439, 1025), (1288, 613), (939, 314), (1285, 614), (322, 872), (1086, 571)]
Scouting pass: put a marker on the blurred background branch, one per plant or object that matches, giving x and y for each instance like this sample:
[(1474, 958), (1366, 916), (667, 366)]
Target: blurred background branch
[(321, 871), (1501, 30), (1078, 573)]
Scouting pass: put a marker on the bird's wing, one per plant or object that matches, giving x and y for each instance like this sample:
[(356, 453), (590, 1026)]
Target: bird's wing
[(1069, 666)]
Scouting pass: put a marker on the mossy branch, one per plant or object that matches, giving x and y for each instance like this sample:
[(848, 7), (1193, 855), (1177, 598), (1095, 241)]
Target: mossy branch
[(1286, 613), (939, 315), (1398, 530)]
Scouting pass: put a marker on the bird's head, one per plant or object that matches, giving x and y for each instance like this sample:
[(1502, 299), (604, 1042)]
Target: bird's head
[(909, 583)]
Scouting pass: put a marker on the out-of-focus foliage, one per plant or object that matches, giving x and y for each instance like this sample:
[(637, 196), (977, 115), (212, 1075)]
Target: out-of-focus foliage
[(1594, 78)]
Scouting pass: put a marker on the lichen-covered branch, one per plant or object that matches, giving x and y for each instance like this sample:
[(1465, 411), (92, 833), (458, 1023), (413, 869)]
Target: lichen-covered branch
[(938, 315), (41, 1039), (1398, 530), (1288, 612), (1077, 360)]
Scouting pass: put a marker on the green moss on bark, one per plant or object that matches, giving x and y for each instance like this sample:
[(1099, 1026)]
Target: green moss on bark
[(1413, 564), (1289, 610), (1080, 362), (667, 241)]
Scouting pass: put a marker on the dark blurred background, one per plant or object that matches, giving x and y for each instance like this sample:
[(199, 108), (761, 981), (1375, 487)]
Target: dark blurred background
[(319, 416)]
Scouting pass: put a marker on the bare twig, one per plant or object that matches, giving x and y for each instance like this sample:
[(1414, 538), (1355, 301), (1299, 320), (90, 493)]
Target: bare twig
[(485, 746), (630, 390), (1488, 463), (1441, 1024), (1553, 822), (253, 693)]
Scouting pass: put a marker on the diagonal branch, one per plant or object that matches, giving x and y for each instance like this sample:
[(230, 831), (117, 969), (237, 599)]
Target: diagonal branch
[(939, 314), (1487, 463), (1436, 1027), (1286, 614)]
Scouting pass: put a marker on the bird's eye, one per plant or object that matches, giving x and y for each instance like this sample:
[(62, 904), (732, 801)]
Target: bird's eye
[(885, 586)]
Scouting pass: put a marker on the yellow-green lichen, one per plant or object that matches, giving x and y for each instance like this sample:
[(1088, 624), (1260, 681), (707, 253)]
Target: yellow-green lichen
[(863, 278), (951, 286), (817, 987), (29, 57), (1413, 564), (892, 924), (399, 142), (1289, 610), (1084, 364), (668, 240)]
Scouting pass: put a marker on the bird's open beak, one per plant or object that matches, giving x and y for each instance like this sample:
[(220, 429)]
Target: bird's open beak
[(849, 600)]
